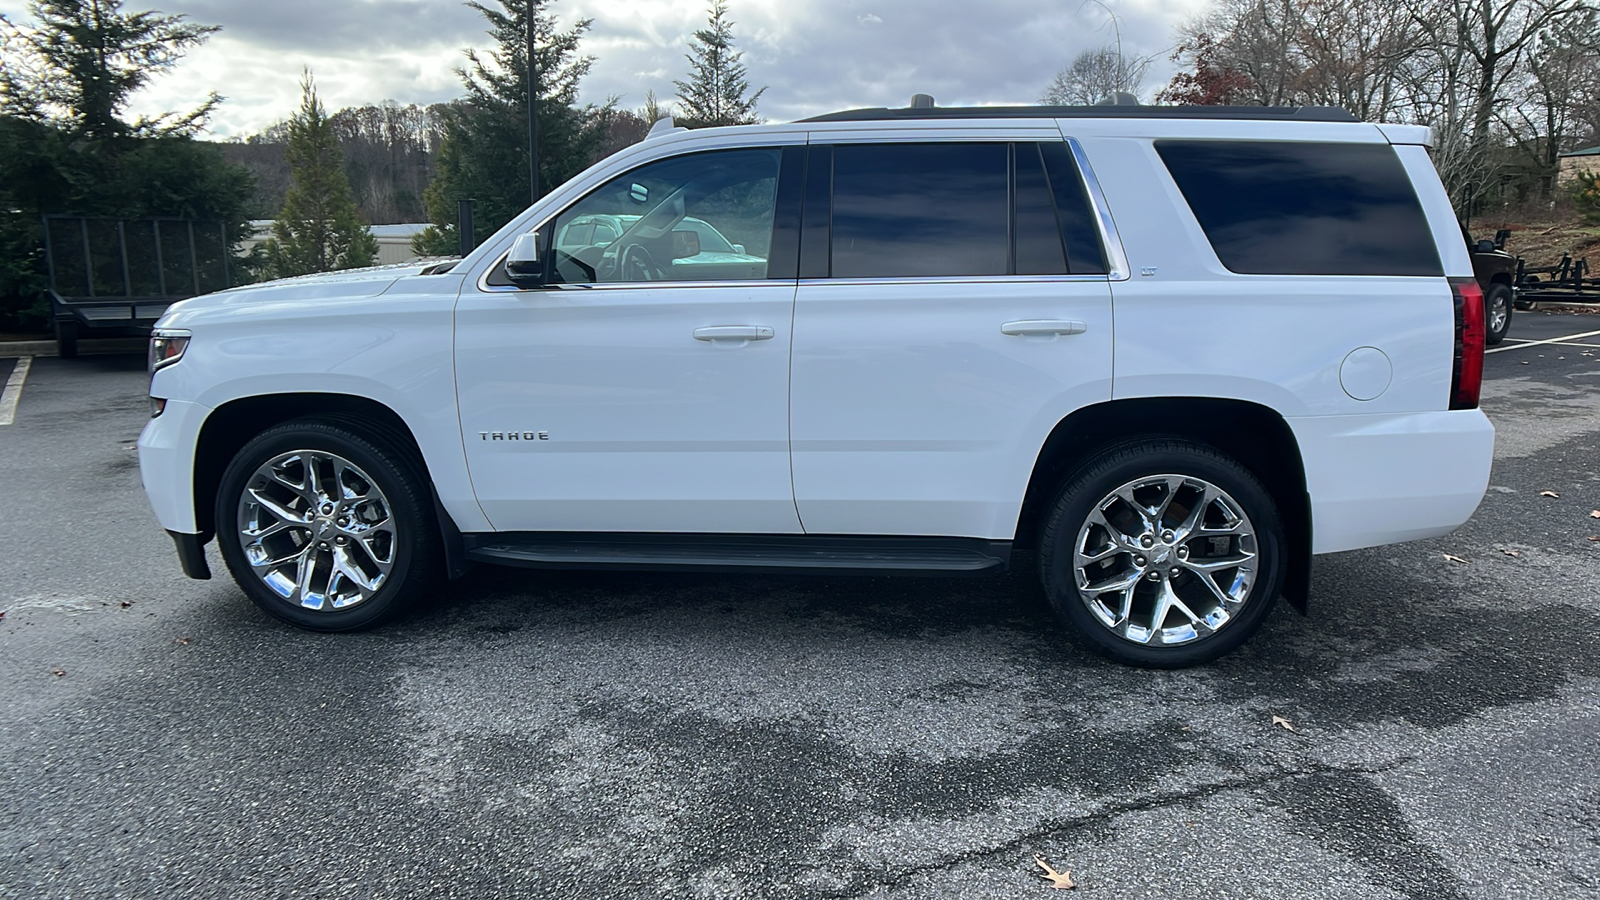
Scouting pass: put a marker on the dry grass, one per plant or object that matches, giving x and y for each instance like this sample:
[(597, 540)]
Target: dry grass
[(1542, 231)]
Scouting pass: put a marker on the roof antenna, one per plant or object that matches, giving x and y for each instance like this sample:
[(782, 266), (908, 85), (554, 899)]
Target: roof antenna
[(663, 125), (1118, 98), (921, 101)]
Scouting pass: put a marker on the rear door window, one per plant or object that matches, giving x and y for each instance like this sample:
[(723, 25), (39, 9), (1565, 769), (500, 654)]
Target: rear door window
[(1304, 208), (920, 210), (906, 210)]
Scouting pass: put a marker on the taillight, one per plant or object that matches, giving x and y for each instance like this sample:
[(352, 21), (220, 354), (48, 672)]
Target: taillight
[(1466, 378)]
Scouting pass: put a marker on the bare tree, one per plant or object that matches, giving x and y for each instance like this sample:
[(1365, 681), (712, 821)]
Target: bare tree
[(1486, 75), (1558, 87), (1095, 74)]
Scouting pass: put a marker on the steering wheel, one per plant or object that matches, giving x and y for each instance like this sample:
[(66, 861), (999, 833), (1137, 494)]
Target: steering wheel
[(636, 264)]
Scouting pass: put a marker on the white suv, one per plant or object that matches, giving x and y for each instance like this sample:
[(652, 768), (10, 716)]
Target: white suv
[(1176, 351)]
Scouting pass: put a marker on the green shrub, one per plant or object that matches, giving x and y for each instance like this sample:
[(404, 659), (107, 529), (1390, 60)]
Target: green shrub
[(1586, 195)]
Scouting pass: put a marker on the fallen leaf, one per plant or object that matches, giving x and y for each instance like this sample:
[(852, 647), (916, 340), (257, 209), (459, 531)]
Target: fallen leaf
[(184, 641), (1510, 552), (1287, 725), (2, 615), (1548, 494), (58, 672), (125, 604), (1594, 513), (1454, 558), (1525, 362), (1592, 537), (1061, 881)]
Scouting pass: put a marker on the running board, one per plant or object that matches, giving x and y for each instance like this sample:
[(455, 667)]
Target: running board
[(724, 552)]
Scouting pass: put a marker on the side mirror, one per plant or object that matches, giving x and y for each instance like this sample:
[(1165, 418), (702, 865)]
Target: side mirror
[(685, 243), (738, 248), (523, 265), (1486, 247)]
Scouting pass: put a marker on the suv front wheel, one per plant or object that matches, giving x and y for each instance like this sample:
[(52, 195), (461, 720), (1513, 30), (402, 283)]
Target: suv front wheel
[(1163, 553), (325, 528)]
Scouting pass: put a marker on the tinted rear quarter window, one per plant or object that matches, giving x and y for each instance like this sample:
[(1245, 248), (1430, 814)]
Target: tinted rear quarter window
[(1304, 208)]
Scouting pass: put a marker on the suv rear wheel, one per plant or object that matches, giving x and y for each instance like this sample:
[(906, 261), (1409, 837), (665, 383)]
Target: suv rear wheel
[(324, 528), (1163, 553)]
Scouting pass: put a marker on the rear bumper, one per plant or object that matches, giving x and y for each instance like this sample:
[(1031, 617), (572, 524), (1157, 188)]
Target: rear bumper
[(1384, 479)]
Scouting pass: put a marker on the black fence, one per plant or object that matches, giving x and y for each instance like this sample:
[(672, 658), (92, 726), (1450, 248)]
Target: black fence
[(92, 260)]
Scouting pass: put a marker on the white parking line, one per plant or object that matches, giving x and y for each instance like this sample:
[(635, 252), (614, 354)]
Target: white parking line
[(1554, 340), (1555, 343), (13, 391)]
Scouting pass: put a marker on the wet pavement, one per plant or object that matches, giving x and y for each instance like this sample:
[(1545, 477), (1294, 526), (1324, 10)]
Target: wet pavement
[(599, 735)]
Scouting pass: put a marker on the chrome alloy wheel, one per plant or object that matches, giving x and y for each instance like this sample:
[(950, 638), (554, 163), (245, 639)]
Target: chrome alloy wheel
[(1165, 560), (316, 530)]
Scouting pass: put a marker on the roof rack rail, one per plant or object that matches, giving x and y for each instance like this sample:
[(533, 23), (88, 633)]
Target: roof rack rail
[(1296, 113)]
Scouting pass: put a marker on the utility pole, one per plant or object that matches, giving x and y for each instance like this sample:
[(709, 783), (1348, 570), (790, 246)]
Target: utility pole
[(533, 110)]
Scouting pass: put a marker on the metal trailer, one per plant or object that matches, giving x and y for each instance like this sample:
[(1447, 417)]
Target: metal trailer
[(111, 277), (1566, 282)]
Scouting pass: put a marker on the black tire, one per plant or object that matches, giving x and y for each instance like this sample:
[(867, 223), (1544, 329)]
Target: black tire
[(1496, 300), (66, 338), (1198, 468), (409, 535)]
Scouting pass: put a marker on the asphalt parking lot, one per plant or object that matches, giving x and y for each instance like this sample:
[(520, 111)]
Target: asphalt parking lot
[(602, 735)]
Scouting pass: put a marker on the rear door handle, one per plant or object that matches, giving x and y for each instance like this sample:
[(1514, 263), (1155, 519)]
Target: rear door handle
[(740, 333), (1043, 326)]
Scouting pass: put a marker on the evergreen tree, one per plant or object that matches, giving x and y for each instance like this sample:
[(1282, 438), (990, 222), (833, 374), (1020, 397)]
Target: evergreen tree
[(319, 228), (715, 91), (83, 59), (483, 155), (65, 80)]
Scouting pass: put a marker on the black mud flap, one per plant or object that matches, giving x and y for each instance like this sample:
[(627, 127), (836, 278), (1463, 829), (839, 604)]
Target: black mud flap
[(456, 563), (1297, 580), (192, 554)]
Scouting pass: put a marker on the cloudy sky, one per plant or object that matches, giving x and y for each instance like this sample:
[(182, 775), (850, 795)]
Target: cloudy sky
[(814, 56)]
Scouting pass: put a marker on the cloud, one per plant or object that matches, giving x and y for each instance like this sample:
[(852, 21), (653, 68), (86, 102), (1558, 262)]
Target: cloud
[(814, 56)]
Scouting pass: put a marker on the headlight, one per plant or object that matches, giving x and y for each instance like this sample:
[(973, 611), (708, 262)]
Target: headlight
[(166, 347)]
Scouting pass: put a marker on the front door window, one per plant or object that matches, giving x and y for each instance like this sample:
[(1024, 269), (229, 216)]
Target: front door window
[(700, 217)]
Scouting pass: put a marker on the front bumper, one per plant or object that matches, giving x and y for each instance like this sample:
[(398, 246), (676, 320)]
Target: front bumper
[(166, 464)]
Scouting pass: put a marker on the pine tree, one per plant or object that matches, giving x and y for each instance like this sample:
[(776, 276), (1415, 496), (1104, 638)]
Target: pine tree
[(66, 145), (319, 228), (83, 59), (483, 155), (715, 91)]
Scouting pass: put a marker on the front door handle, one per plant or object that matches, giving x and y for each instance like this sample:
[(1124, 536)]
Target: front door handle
[(1029, 327), (739, 333)]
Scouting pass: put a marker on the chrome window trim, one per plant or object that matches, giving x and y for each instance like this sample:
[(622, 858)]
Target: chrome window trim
[(629, 285), (961, 279), (1116, 259), (749, 282)]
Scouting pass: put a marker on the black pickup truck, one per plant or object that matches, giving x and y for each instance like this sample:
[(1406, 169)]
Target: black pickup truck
[(1496, 272)]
